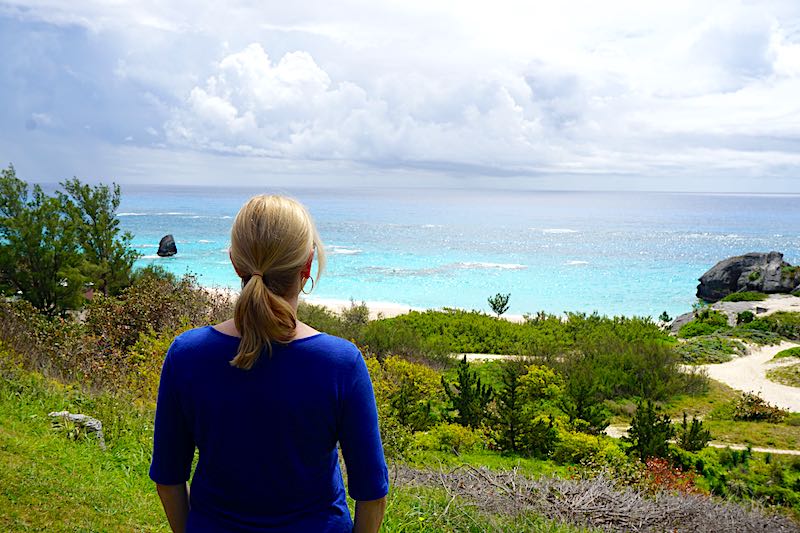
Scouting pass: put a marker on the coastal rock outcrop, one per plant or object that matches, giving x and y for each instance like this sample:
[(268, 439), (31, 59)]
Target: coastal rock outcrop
[(761, 272), (166, 247)]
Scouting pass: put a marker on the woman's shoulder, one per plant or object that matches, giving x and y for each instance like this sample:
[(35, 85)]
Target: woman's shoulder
[(328, 346)]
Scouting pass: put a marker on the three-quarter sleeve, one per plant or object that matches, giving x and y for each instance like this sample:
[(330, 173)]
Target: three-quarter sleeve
[(360, 439), (173, 444)]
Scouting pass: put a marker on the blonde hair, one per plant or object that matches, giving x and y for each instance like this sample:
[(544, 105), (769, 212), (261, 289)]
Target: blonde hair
[(271, 240)]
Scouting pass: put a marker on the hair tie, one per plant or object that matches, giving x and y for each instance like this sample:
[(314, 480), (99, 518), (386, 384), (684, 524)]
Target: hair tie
[(257, 274)]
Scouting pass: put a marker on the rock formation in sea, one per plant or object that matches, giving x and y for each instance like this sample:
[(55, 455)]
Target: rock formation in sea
[(761, 272), (166, 247)]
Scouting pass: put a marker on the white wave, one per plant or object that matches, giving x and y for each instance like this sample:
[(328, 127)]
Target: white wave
[(559, 230), (151, 256), (146, 246), (341, 250), (500, 266), (432, 226), (204, 241), (226, 217), (132, 214), (572, 263)]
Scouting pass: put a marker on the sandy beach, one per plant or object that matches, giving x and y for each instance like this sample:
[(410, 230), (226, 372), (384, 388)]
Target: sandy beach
[(377, 309)]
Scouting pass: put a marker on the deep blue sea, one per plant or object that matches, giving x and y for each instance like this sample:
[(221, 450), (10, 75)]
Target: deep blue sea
[(628, 253)]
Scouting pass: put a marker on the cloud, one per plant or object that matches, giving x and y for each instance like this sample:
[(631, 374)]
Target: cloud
[(655, 90)]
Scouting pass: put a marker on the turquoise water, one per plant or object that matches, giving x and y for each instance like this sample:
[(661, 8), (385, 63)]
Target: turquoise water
[(616, 253)]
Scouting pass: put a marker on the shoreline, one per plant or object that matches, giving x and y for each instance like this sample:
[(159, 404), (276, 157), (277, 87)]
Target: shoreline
[(377, 309)]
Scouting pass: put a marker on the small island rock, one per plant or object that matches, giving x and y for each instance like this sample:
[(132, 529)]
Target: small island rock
[(761, 272), (166, 247)]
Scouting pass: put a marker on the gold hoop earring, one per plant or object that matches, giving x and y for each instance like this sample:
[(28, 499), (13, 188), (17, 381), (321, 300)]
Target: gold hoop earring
[(303, 290)]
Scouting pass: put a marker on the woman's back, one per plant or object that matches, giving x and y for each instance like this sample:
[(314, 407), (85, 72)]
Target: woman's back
[(267, 436)]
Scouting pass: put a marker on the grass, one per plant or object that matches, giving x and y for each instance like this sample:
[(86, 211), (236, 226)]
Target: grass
[(701, 405), (433, 510), (786, 375), (52, 483), (495, 461), (49, 482), (745, 296), (789, 352), (763, 434)]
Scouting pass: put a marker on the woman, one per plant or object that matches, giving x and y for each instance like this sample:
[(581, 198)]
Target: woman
[(265, 399)]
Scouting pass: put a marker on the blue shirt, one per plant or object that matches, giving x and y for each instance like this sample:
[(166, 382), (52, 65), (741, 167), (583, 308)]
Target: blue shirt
[(267, 437)]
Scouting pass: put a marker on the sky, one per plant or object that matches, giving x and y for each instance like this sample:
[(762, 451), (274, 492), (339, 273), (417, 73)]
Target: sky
[(638, 95)]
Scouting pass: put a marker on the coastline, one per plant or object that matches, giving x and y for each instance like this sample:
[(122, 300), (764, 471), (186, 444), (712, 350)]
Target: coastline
[(377, 309)]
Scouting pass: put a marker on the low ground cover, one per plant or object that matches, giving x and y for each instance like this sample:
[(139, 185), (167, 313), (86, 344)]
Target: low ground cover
[(745, 296), (786, 375)]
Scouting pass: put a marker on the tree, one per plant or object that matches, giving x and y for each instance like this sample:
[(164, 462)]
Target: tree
[(105, 247), (510, 402), (39, 256), (693, 437), (664, 317), (650, 431), (583, 396), (469, 397), (499, 303)]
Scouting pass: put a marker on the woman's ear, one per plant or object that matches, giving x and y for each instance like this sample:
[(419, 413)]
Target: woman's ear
[(306, 272), (230, 256)]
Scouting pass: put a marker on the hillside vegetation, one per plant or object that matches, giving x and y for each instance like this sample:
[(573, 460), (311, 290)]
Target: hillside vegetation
[(541, 415)]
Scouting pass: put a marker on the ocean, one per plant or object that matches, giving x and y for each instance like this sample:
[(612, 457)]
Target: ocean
[(617, 253)]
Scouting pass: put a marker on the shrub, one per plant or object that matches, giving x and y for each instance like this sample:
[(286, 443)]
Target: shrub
[(382, 337), (789, 352), (448, 437), (575, 447), (706, 322), (709, 349), (664, 317), (407, 392), (745, 317), (745, 296), (750, 407), (650, 432), (468, 396), (784, 323), (754, 275), (692, 436), (156, 304), (661, 475)]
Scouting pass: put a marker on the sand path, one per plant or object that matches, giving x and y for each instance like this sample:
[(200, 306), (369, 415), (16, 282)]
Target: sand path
[(748, 374)]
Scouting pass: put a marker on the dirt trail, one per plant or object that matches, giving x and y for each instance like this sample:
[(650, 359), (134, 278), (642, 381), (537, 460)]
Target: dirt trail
[(748, 374)]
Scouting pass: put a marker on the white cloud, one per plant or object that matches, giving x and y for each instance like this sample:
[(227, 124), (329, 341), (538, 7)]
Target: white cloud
[(625, 87)]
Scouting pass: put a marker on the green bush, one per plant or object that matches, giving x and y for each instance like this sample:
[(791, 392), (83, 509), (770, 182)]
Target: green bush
[(692, 436), (706, 322), (453, 438), (783, 323), (754, 275), (407, 392), (745, 317), (789, 352), (650, 432), (745, 296), (576, 447), (707, 349)]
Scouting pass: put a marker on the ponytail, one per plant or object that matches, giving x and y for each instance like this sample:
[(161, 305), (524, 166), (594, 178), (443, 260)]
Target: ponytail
[(271, 237)]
